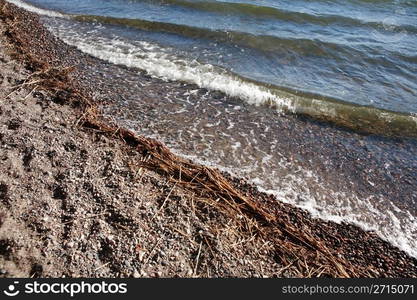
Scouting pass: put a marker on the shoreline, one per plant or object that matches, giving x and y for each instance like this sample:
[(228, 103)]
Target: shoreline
[(343, 250), (361, 118)]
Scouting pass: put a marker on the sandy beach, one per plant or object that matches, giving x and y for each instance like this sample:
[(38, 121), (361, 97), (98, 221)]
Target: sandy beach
[(80, 196)]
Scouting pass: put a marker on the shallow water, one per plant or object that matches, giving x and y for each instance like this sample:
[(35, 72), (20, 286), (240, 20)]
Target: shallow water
[(330, 53), (358, 52)]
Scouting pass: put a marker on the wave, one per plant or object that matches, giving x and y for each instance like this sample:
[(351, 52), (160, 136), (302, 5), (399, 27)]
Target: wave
[(151, 58), (300, 47), (394, 225), (38, 10), (157, 61), (260, 42), (259, 11), (396, 2)]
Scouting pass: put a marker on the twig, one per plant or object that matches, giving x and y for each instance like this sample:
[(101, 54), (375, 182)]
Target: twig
[(13, 91), (141, 176), (151, 252), (208, 244), (197, 259), (82, 117), (285, 268), (183, 234), (195, 177), (19, 86), (30, 93), (101, 267), (166, 199)]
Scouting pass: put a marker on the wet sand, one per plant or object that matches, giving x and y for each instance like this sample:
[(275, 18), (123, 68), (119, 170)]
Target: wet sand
[(88, 217)]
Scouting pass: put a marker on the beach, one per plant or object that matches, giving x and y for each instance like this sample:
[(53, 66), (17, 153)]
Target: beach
[(82, 196)]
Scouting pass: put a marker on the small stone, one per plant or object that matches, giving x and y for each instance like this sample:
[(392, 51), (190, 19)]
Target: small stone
[(141, 255), (136, 274), (143, 274)]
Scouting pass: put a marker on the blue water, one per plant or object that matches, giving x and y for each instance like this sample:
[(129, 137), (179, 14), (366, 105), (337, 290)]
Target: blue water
[(361, 52)]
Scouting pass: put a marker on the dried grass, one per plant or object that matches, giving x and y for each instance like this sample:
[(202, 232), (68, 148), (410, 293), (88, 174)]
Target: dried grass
[(297, 249)]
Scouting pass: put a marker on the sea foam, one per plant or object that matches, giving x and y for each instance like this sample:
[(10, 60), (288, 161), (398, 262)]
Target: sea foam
[(157, 62), (37, 10)]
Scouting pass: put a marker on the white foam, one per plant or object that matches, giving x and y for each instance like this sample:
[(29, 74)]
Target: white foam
[(305, 189), (414, 117), (391, 224), (37, 10), (157, 62)]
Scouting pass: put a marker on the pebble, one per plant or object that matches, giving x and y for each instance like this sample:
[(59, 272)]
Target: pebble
[(136, 274), (141, 255)]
